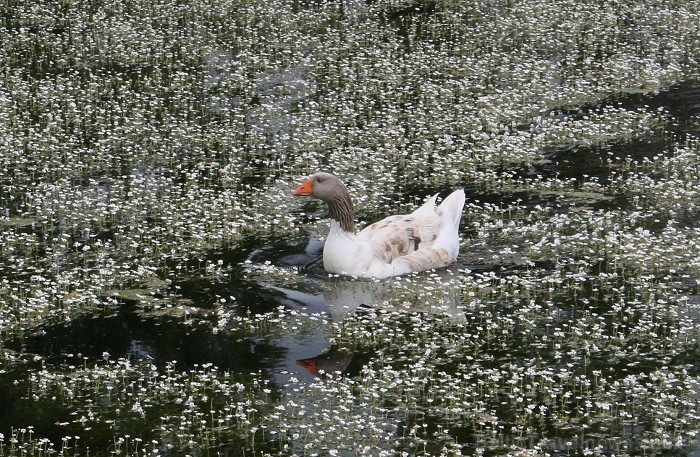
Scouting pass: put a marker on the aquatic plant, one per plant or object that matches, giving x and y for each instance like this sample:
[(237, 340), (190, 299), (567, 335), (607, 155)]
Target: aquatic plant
[(148, 154)]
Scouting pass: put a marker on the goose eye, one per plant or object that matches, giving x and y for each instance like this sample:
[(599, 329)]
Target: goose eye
[(319, 180)]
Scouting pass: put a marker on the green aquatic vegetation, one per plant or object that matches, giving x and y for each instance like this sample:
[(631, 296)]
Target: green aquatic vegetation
[(664, 187), (148, 154), (491, 369), (199, 407)]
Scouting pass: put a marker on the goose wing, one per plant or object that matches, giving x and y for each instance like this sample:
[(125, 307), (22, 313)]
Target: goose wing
[(402, 235)]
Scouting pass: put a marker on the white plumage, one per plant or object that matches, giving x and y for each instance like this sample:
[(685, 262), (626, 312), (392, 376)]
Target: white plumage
[(425, 239)]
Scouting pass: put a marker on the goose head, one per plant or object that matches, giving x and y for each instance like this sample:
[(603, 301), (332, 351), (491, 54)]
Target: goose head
[(323, 186), (330, 189)]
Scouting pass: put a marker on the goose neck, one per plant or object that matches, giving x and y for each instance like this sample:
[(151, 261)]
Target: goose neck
[(341, 210)]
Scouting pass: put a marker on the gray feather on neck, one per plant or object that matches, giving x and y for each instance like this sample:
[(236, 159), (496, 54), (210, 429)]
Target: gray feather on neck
[(340, 209)]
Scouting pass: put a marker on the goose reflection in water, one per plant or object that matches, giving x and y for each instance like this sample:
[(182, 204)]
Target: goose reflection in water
[(309, 353), (335, 360)]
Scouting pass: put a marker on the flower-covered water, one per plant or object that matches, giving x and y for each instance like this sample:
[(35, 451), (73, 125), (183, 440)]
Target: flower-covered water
[(161, 292)]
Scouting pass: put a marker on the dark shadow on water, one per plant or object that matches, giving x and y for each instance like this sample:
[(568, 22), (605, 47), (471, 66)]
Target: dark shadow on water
[(302, 253), (156, 340), (681, 103), (125, 334), (145, 336)]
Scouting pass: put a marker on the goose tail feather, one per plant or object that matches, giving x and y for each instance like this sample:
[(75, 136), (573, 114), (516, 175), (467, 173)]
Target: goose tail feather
[(450, 212)]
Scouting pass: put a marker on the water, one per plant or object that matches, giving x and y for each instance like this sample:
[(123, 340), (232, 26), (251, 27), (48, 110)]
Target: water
[(162, 293)]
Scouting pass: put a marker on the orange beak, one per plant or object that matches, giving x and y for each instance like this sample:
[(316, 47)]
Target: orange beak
[(305, 190)]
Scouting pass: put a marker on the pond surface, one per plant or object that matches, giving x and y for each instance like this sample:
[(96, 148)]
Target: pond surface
[(161, 292)]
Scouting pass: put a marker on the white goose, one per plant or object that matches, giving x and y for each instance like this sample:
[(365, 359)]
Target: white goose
[(425, 239)]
